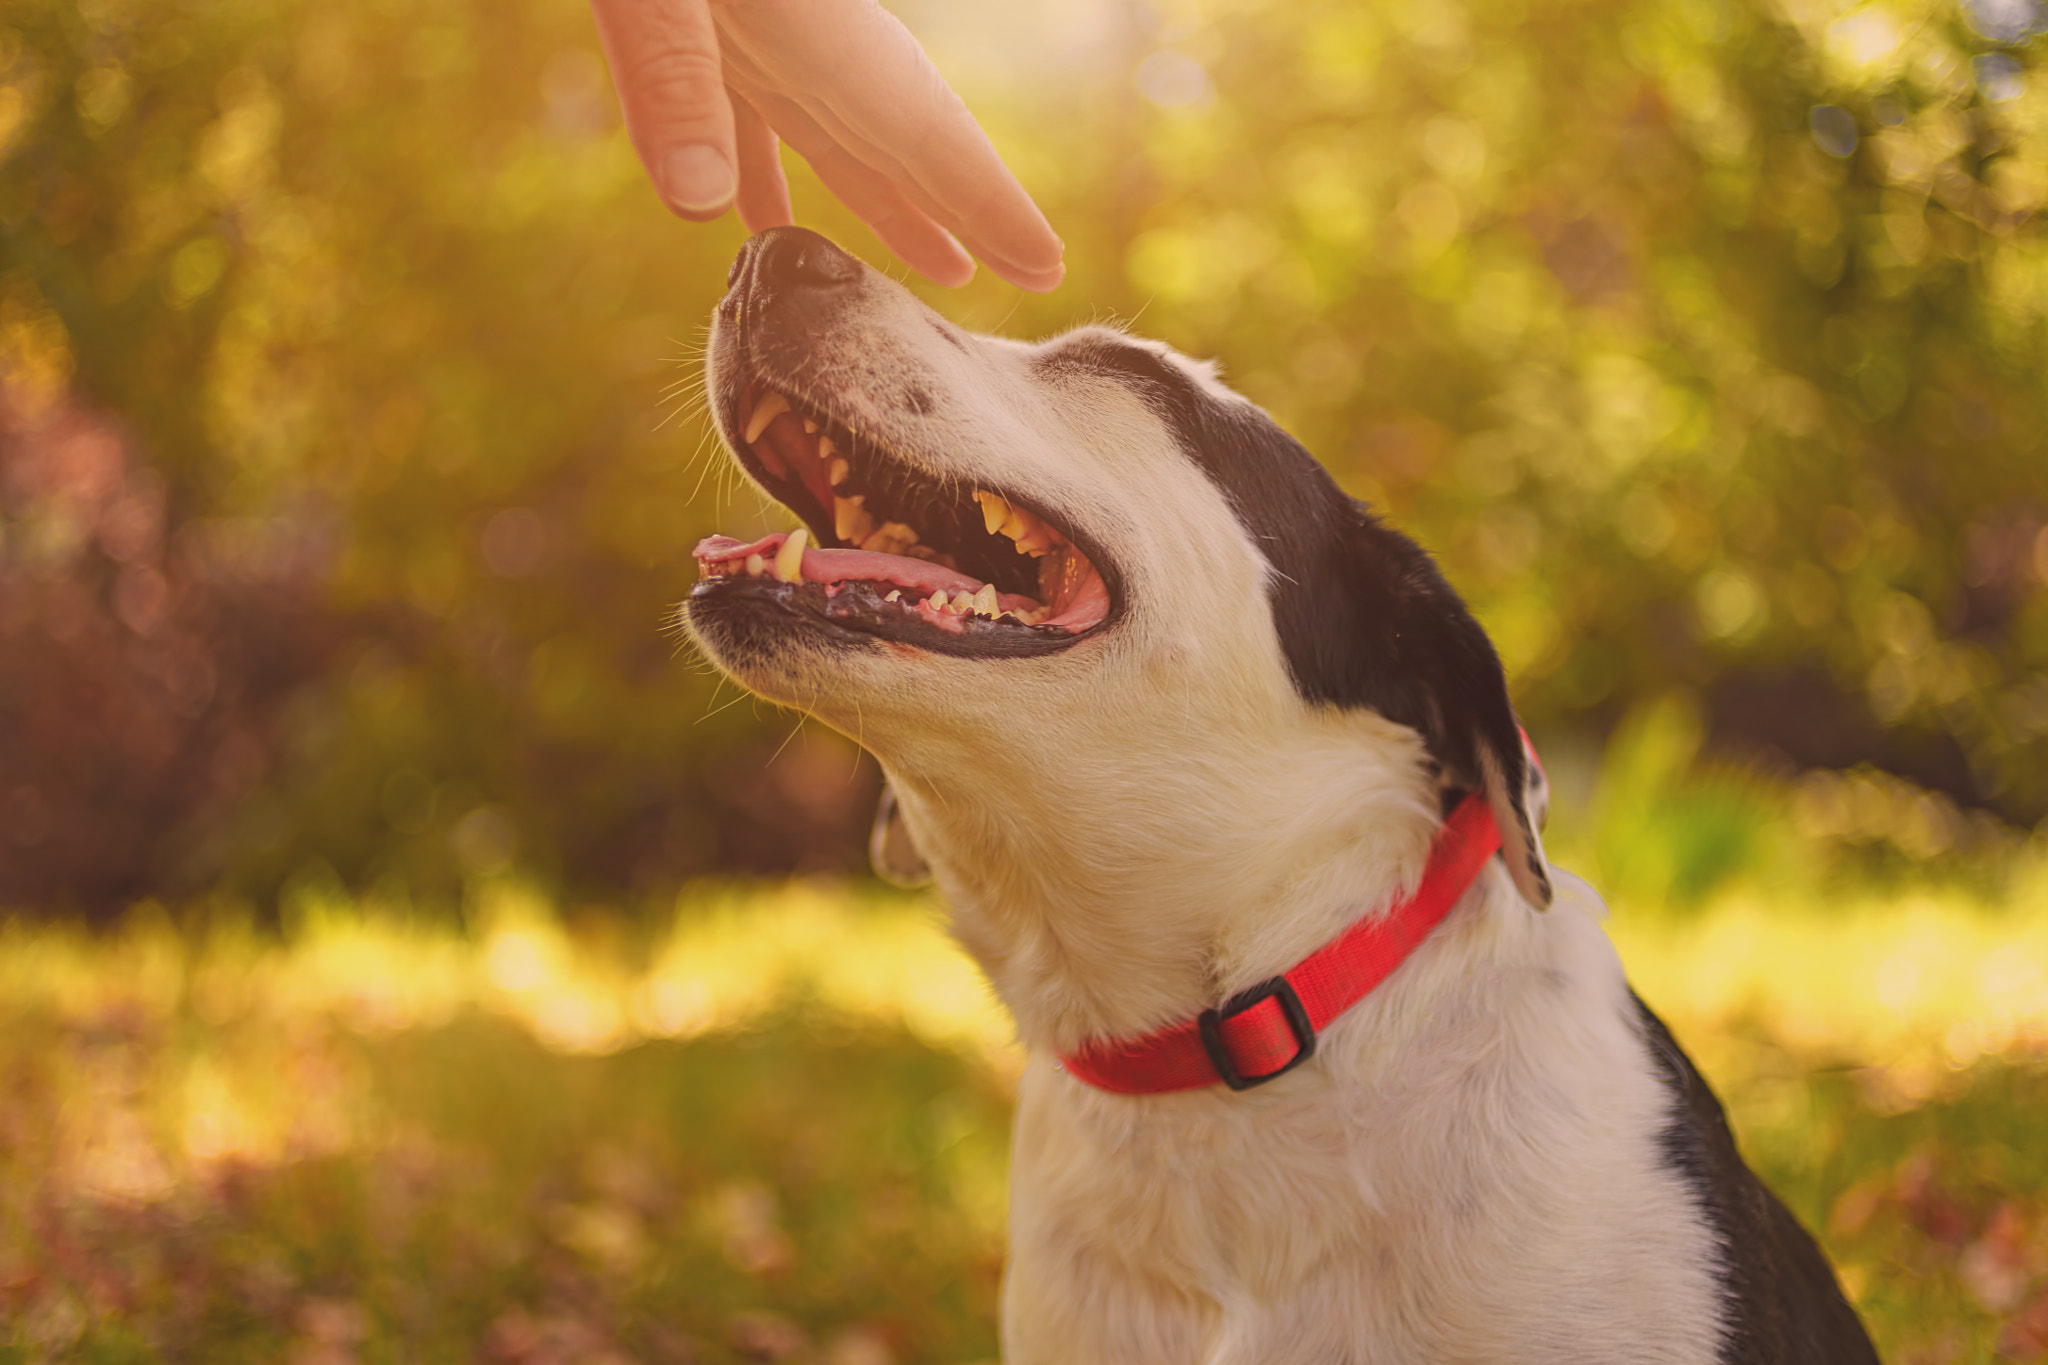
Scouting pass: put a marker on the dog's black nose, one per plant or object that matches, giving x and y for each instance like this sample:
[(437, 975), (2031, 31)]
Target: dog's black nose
[(786, 261)]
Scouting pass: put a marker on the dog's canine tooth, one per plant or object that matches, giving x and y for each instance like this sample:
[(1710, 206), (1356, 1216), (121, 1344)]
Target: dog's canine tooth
[(993, 510), (811, 428), (756, 566), (765, 411), (789, 560), (836, 469), (985, 603)]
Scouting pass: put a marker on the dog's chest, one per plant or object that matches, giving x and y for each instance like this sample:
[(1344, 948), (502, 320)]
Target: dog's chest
[(1405, 1221)]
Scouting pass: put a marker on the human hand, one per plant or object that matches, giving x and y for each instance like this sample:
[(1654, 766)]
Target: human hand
[(708, 87)]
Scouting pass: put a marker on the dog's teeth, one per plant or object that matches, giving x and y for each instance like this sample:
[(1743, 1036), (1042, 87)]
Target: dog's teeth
[(895, 595), (789, 560), (1031, 535), (765, 411), (850, 520), (836, 467), (811, 428), (894, 538), (756, 566), (993, 510), (937, 601), (985, 603)]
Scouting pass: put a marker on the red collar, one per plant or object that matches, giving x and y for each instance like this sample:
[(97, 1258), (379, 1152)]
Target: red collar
[(1271, 1028)]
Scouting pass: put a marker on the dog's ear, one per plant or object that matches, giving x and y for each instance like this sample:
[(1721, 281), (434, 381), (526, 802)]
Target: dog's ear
[(891, 850), (1508, 788), (1536, 793), (1469, 724), (1403, 643)]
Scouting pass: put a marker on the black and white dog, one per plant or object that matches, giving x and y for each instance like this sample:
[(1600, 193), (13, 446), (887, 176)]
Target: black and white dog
[(1170, 719)]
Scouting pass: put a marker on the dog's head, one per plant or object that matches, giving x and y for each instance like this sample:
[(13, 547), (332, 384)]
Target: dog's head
[(1078, 557)]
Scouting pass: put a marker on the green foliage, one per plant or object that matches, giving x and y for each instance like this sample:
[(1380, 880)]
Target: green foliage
[(1677, 394), (1666, 833), (1929, 1213), (1701, 340), (679, 1202), (371, 1139)]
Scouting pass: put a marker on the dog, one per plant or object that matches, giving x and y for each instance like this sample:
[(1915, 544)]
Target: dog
[(1170, 720)]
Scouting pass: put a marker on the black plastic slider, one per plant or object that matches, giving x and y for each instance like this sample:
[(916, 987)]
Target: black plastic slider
[(1211, 1025)]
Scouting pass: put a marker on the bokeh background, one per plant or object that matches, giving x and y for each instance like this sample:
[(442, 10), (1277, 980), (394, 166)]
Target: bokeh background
[(349, 468)]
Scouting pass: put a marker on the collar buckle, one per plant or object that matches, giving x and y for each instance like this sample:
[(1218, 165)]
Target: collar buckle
[(1278, 989)]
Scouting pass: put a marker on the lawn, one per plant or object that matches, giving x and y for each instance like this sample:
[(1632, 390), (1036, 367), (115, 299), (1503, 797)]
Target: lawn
[(771, 1125)]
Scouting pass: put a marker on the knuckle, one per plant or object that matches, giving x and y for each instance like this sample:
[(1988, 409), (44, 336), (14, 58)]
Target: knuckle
[(675, 78)]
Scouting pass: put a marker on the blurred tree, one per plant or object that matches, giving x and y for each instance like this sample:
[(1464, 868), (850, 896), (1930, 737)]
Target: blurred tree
[(381, 300), (1702, 340), (339, 518)]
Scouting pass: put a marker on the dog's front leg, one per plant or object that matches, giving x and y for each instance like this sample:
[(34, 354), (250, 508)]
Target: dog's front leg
[(1094, 1276)]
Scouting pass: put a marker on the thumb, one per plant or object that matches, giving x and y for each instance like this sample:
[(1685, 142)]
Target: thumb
[(665, 65)]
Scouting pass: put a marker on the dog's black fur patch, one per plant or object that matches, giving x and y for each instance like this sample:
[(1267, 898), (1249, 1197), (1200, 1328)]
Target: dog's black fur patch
[(1364, 616), (1782, 1302)]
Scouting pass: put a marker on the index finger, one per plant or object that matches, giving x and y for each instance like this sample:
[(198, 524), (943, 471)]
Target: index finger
[(899, 105), (665, 65)]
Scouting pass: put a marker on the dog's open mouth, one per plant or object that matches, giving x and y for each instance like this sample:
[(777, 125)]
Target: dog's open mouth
[(889, 550)]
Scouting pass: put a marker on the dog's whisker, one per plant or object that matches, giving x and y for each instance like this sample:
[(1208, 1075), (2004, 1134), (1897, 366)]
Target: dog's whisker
[(744, 695), (801, 720)]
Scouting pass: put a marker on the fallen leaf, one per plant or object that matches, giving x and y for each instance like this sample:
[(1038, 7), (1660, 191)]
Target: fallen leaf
[(767, 1336), (1995, 1266), (2024, 1337)]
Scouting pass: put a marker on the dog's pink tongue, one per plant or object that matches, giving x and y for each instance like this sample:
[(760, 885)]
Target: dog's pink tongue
[(838, 566), (1088, 605)]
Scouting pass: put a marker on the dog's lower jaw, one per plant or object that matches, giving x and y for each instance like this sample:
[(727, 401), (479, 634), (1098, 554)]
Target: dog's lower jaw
[(1465, 1172)]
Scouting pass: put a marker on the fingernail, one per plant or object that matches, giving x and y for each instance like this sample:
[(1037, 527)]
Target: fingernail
[(697, 179)]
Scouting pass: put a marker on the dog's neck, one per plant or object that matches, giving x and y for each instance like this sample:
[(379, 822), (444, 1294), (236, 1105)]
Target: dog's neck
[(1126, 884)]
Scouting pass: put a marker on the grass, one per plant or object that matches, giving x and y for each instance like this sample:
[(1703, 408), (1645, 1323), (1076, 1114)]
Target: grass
[(775, 1128)]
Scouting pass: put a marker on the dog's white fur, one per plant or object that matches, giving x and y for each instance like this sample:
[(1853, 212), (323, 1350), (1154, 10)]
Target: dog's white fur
[(1138, 826)]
